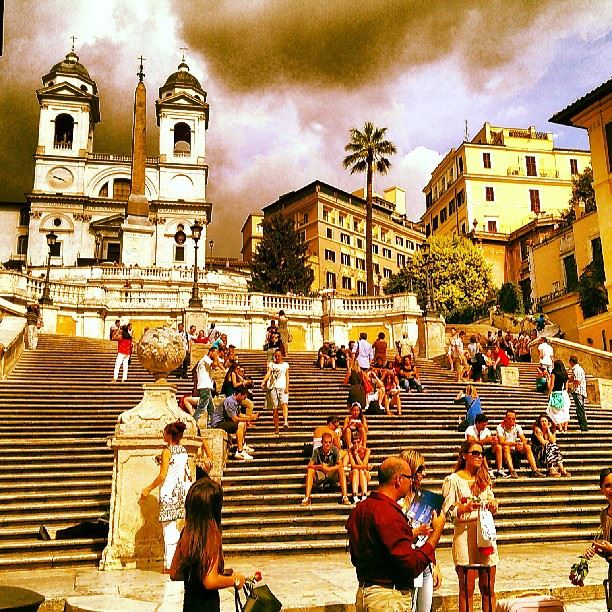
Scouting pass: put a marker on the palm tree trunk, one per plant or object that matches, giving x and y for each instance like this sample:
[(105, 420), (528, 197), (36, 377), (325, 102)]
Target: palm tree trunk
[(368, 228)]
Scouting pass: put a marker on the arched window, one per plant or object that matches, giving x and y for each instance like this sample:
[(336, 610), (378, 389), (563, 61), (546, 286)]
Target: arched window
[(182, 139), (121, 189), (64, 128), (103, 193)]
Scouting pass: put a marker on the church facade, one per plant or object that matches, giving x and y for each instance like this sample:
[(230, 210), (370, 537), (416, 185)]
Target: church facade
[(81, 196)]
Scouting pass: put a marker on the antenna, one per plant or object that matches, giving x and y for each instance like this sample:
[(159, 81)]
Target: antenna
[(140, 74), (466, 137), (183, 49)]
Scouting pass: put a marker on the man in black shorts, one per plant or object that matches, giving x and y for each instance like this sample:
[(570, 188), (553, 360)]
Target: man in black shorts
[(326, 467), (227, 416)]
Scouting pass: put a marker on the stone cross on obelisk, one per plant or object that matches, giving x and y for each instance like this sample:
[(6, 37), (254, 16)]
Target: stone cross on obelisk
[(137, 231)]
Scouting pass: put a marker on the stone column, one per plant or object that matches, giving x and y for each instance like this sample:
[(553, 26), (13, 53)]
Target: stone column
[(432, 336)]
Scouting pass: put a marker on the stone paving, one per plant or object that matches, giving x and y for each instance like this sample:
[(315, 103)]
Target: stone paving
[(309, 582)]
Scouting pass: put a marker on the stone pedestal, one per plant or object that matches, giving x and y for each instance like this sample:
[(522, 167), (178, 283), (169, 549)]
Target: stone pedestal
[(599, 391), (136, 242), (135, 535), (509, 376), (432, 336), (49, 315), (218, 442)]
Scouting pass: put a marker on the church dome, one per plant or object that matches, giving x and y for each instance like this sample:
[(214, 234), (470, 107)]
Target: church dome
[(182, 78), (71, 67)]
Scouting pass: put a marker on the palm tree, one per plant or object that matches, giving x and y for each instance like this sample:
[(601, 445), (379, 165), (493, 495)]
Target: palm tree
[(367, 150)]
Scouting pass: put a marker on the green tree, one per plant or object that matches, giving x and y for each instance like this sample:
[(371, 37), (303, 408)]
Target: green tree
[(280, 263), (583, 195), (460, 275), (510, 298), (367, 154), (591, 289)]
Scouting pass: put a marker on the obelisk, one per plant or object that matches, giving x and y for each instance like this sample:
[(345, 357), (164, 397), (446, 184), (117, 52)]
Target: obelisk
[(137, 231)]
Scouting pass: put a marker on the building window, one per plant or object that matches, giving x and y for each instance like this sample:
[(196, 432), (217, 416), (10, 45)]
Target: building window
[(399, 241), (64, 128), (387, 273), (571, 272), (463, 229), (524, 250), (375, 249), (451, 206), (341, 220), (302, 236), (443, 215), (113, 251), (573, 166), (121, 189), (486, 160), (387, 253), (355, 226), (345, 259), (534, 198), (401, 260), (347, 283), (24, 216), (345, 238), (460, 165), (427, 230), (609, 144), (434, 223), (325, 214), (492, 226), (376, 268), (103, 193), (596, 251), (56, 249), (361, 287), (459, 199), (489, 194), (410, 245), (305, 218), (360, 243), (530, 160), (360, 263), (22, 245), (330, 255), (330, 280), (259, 228), (182, 140), (428, 199), (329, 233), (179, 253)]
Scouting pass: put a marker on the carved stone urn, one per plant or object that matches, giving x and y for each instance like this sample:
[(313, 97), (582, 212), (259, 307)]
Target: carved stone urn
[(160, 351)]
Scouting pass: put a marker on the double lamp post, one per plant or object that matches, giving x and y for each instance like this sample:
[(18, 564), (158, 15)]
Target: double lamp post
[(46, 299)]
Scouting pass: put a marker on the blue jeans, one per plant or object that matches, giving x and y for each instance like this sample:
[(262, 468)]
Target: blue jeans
[(423, 596), (205, 404)]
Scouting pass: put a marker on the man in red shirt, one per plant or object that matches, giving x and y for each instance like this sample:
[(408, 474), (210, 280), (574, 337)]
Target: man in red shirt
[(380, 540), (500, 360)]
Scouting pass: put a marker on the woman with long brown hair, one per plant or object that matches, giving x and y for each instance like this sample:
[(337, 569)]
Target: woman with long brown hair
[(466, 490), (198, 560)]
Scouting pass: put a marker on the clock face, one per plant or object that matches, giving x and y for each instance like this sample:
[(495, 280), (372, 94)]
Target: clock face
[(60, 178)]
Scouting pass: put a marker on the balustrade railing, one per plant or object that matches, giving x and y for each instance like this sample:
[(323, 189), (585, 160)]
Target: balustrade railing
[(290, 304)]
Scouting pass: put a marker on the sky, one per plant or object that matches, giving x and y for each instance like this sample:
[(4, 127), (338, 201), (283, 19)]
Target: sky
[(287, 80)]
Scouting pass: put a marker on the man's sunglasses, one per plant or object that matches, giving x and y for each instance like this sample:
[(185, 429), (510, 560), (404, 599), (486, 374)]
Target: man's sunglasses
[(407, 476)]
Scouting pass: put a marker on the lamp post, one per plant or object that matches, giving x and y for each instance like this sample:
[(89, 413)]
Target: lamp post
[(211, 244), (196, 233), (379, 278), (46, 294), (429, 303)]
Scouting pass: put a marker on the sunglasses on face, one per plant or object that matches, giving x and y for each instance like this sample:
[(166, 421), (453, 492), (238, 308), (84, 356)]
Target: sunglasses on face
[(475, 453), (409, 477)]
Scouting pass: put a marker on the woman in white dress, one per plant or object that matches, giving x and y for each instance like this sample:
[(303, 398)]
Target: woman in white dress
[(559, 401), (173, 482), (465, 491)]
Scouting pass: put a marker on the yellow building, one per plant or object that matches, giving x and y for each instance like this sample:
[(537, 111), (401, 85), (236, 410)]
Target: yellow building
[(501, 180), (333, 224), (558, 263), (252, 233)]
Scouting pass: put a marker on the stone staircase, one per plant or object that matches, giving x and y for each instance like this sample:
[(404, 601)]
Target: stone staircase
[(59, 405)]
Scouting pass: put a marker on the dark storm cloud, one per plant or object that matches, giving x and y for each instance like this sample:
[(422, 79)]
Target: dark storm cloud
[(348, 43)]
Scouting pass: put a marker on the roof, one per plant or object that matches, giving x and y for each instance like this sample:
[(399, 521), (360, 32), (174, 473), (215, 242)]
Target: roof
[(182, 78), (70, 66), (565, 116)]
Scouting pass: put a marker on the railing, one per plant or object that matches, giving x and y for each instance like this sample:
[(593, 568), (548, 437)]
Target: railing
[(515, 171), (366, 304), (119, 158), (548, 173), (146, 299), (62, 293), (549, 297), (528, 134), (62, 145), (290, 304)]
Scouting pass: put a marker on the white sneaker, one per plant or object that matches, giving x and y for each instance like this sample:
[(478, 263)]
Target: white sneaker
[(248, 449), (243, 455)]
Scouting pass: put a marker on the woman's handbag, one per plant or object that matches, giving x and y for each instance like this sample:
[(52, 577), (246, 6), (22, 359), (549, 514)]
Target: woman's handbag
[(556, 401), (486, 534), (259, 598), (367, 385)]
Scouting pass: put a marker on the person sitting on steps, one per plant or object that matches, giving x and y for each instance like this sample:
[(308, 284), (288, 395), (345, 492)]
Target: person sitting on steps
[(480, 433), (515, 445), (327, 468)]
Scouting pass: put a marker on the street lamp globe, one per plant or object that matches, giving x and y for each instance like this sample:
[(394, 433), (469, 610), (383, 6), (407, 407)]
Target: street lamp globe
[(51, 239), (196, 231)]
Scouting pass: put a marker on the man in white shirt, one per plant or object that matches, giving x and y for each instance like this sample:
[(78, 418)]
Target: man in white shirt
[(577, 378), (205, 385), (479, 432), (515, 445), (546, 354), (363, 351)]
